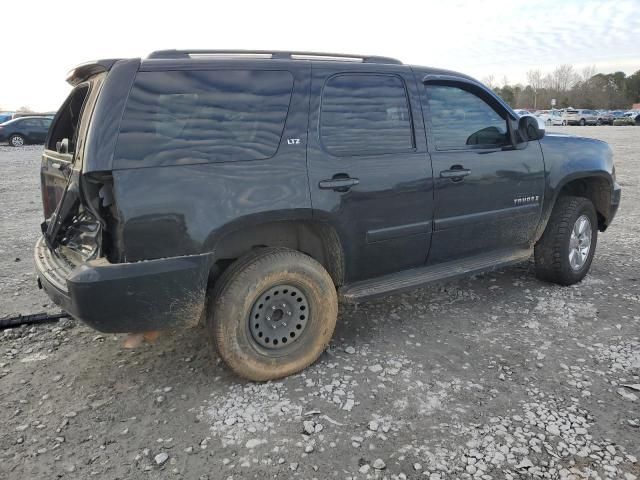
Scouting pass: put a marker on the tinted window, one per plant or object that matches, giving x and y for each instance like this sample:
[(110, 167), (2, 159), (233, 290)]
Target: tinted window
[(365, 113), (182, 117), (461, 119)]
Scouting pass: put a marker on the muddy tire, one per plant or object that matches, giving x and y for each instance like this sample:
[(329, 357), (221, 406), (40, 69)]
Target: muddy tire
[(272, 313), (16, 140), (564, 253)]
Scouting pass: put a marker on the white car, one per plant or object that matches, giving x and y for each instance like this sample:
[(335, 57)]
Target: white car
[(580, 117), (633, 115), (551, 117)]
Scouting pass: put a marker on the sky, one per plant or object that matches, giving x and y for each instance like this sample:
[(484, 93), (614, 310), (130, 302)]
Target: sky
[(479, 38)]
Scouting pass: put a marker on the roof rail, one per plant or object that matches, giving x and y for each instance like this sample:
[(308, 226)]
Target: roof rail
[(273, 54)]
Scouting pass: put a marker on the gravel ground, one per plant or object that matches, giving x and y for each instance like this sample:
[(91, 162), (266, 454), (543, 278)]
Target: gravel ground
[(496, 376)]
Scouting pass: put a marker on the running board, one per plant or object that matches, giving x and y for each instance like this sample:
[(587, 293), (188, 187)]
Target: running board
[(416, 277)]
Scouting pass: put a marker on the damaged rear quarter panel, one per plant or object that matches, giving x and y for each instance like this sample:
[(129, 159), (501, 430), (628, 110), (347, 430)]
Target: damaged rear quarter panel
[(140, 296)]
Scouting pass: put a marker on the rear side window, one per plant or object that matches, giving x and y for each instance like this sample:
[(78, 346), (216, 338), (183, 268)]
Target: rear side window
[(365, 113), (183, 117), (461, 119)]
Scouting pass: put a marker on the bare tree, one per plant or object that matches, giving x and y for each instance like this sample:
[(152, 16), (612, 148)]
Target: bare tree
[(534, 79), (490, 81), (588, 73), (563, 78)]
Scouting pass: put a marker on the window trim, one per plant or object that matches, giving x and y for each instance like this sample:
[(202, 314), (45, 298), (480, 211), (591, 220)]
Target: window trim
[(367, 153), (483, 94)]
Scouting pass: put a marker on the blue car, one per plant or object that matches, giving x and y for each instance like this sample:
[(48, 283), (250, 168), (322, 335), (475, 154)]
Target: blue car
[(5, 116), (21, 131)]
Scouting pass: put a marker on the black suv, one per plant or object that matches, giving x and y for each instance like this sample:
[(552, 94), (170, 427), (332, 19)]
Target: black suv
[(253, 190)]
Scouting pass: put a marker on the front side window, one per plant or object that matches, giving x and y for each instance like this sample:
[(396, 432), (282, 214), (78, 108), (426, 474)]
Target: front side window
[(460, 119), (365, 113), (182, 117)]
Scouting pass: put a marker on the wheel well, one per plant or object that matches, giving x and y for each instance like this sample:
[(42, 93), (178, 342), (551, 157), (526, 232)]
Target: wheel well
[(318, 240), (597, 190)]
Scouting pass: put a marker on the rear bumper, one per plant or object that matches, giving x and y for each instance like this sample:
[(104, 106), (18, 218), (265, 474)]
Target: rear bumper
[(126, 297)]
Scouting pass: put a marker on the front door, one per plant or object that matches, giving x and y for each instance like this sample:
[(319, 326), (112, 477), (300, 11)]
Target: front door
[(488, 191), (369, 172)]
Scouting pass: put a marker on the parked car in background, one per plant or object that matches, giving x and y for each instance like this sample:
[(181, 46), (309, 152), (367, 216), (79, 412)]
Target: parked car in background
[(579, 117), (20, 131), (550, 117), (521, 112), (604, 117), (33, 114), (634, 115), (5, 116)]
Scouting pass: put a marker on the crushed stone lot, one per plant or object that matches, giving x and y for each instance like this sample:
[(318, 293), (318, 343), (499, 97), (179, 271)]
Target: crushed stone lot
[(495, 376)]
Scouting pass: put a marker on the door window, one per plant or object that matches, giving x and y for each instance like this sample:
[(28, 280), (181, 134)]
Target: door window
[(460, 119), (365, 113)]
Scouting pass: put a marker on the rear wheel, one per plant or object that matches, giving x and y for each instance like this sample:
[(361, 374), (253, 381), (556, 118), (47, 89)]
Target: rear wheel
[(16, 140), (565, 251), (272, 313), (564, 123)]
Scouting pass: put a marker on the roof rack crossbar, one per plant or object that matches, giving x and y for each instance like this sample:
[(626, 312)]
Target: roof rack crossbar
[(274, 54)]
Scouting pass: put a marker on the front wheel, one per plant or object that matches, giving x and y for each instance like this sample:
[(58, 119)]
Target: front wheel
[(564, 123), (564, 253), (272, 313), (583, 122), (16, 140)]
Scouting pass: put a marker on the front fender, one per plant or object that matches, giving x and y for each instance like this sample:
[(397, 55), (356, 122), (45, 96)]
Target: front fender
[(569, 158)]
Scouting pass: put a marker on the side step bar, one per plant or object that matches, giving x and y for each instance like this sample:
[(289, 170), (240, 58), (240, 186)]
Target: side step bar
[(416, 277)]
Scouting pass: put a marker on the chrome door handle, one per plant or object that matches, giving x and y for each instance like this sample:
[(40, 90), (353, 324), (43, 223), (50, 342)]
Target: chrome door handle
[(339, 184), (455, 173)]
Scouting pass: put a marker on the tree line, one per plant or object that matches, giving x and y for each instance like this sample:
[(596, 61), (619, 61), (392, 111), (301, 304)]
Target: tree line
[(570, 88)]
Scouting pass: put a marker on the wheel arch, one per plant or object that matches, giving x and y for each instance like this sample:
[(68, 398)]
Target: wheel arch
[(317, 239), (594, 186)]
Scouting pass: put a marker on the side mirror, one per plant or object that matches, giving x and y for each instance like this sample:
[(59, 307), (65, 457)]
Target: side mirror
[(530, 128), (63, 146)]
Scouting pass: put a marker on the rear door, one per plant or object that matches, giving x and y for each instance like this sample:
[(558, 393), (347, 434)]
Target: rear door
[(64, 144), (369, 171), (42, 129), (488, 193), (29, 128)]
